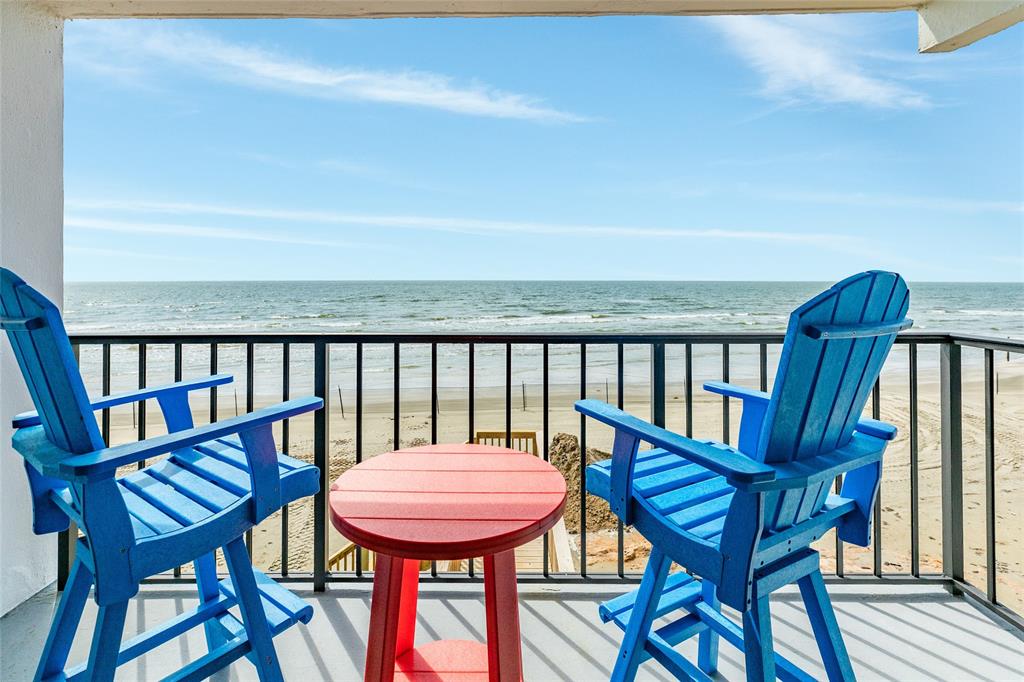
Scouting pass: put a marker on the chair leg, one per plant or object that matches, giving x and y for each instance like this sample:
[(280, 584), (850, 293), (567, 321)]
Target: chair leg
[(65, 622), (106, 642), (208, 586), (826, 629), (642, 617), (707, 641), (253, 615), (758, 652)]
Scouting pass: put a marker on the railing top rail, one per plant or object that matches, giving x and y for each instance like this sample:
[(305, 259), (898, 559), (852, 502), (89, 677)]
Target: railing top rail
[(554, 338), (990, 342)]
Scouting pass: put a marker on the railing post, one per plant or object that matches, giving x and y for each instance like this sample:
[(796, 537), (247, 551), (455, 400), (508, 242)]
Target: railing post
[(321, 439), (951, 397), (990, 476), (658, 384)]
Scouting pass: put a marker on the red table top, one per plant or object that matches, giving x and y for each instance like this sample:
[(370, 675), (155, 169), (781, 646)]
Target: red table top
[(447, 501)]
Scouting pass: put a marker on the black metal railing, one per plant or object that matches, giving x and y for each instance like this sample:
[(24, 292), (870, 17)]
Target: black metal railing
[(950, 370)]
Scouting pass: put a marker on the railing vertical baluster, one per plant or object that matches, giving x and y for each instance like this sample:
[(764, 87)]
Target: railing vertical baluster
[(359, 403), (321, 443), (213, 389), (177, 378), (658, 384), (583, 463), (840, 563), (688, 393), (620, 376), (250, 376), (951, 398), (915, 520), (547, 456), (433, 393), (178, 364), (67, 540), (433, 418), (762, 357), (105, 414), (725, 398), (359, 435), (286, 391), (396, 400), (508, 395), (470, 397), (990, 475), (472, 416), (142, 403), (876, 413)]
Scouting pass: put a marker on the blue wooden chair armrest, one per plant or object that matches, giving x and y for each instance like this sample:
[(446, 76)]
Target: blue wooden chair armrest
[(103, 462), (873, 427), (32, 418), (733, 391), (860, 451), (755, 404), (739, 470)]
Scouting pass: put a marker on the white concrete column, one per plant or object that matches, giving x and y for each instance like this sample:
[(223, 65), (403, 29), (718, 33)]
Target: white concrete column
[(31, 244)]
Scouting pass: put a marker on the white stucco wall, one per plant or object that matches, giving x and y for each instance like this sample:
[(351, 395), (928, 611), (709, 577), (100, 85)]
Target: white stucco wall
[(31, 244)]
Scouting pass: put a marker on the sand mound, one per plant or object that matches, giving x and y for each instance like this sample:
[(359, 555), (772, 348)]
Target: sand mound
[(564, 453)]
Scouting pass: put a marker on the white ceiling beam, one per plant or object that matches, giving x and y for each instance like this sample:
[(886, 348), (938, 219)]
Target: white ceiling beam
[(74, 9), (946, 25)]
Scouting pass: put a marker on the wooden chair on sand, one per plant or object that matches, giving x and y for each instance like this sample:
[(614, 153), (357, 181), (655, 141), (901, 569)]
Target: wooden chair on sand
[(742, 519), (219, 481)]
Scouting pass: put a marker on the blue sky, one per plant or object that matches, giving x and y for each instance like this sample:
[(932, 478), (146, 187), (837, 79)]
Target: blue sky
[(759, 148)]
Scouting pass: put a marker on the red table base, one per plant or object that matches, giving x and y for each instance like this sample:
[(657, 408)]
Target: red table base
[(453, 502), (455, 660), (391, 654)]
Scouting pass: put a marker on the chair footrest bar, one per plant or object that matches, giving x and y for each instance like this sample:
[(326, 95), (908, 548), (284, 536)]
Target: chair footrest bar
[(282, 607), (681, 591), (207, 665), (657, 648), (785, 669)]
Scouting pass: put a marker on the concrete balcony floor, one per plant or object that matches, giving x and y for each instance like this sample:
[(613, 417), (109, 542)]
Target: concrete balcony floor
[(914, 632)]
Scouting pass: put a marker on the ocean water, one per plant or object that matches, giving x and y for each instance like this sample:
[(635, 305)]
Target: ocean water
[(479, 307)]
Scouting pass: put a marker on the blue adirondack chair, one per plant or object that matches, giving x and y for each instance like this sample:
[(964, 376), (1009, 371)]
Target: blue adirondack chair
[(219, 481), (742, 518)]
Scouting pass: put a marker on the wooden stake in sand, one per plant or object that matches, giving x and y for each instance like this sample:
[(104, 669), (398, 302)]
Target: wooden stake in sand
[(341, 401)]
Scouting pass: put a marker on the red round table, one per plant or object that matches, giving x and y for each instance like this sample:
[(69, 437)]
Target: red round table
[(445, 502)]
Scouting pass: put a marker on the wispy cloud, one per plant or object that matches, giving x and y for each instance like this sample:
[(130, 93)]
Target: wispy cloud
[(802, 60), (121, 48), (203, 231), (864, 199), (477, 226), (127, 254)]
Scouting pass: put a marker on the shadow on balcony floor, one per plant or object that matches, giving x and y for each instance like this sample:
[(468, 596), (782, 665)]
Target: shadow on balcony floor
[(897, 633)]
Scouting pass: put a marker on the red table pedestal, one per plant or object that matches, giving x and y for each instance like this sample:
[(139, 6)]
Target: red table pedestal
[(445, 502), (393, 624)]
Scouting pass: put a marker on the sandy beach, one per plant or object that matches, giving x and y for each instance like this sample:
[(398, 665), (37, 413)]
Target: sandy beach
[(452, 426)]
